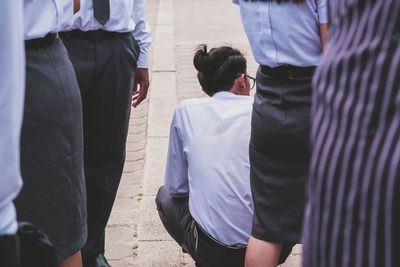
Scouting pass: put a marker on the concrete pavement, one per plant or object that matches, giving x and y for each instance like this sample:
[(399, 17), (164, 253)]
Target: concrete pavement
[(135, 235)]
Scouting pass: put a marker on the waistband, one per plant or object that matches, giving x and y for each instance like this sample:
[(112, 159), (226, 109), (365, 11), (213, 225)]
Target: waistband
[(97, 35), (201, 233), (48, 40), (288, 71)]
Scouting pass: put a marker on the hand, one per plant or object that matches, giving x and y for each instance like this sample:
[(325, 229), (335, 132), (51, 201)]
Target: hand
[(140, 86)]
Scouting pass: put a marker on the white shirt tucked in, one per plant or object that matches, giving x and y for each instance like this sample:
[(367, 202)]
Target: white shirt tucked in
[(284, 33), (46, 16), (125, 16), (208, 160), (12, 88)]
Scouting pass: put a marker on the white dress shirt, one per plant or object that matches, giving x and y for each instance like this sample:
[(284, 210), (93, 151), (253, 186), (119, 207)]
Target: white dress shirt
[(47, 16), (208, 160), (125, 16), (284, 33), (12, 86)]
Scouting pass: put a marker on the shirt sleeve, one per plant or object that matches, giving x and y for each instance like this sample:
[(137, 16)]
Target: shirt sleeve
[(12, 87), (176, 173), (142, 32), (235, 2), (322, 10)]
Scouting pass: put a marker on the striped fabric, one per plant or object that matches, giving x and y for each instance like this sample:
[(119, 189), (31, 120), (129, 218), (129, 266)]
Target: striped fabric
[(353, 213)]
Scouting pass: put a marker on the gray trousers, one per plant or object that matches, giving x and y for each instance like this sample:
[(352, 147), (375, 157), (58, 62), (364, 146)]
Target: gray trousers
[(105, 71)]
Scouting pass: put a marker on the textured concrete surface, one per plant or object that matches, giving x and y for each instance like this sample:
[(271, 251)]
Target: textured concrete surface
[(135, 235)]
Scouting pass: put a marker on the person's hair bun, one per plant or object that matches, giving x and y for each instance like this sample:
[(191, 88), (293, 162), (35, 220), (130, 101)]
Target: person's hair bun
[(202, 60), (218, 68)]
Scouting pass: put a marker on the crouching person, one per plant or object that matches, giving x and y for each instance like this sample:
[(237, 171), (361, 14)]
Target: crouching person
[(205, 203)]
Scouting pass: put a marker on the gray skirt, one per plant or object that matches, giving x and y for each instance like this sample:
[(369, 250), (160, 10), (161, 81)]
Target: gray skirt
[(279, 156), (53, 196)]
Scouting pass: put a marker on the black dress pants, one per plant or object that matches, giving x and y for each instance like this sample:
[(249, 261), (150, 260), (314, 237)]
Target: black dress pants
[(104, 64), (205, 250)]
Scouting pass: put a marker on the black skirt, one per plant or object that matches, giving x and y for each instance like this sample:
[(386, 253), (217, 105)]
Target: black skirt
[(53, 196), (279, 155)]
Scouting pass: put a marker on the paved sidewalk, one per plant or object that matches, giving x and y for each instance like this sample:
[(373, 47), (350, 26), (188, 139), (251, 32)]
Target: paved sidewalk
[(135, 235)]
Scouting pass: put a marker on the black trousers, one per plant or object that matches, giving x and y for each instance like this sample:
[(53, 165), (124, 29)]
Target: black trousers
[(175, 215), (105, 71)]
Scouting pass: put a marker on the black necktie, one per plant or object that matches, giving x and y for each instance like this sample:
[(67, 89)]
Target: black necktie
[(101, 10)]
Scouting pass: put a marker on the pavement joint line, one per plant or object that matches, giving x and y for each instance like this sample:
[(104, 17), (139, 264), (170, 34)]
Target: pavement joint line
[(164, 71), (156, 240)]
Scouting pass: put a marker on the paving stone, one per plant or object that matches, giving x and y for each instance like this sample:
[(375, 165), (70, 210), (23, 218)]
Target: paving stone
[(119, 234), (117, 251), (131, 178), (133, 138), (124, 218), (151, 227), (129, 190), (135, 156), (133, 166), (119, 263), (165, 61), (155, 165), (162, 104), (297, 250), (292, 261), (187, 260), (135, 146), (160, 253), (139, 121), (138, 129), (126, 203), (153, 230)]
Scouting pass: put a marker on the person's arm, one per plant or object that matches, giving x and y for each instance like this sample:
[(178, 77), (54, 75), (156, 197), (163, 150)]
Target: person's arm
[(12, 91), (324, 34), (322, 9), (176, 173), (142, 35), (77, 5)]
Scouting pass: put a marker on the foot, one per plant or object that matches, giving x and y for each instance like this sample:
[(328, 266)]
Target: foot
[(96, 261)]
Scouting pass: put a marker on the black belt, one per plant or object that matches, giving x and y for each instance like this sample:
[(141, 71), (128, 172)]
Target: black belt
[(97, 35), (48, 40), (288, 71), (212, 241)]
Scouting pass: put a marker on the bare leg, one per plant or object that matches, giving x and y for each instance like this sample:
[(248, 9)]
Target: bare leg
[(72, 261), (262, 254)]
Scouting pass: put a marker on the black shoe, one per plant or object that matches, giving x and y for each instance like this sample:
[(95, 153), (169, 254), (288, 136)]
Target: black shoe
[(96, 261)]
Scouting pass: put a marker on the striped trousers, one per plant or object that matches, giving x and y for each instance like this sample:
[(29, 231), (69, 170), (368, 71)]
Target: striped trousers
[(352, 216)]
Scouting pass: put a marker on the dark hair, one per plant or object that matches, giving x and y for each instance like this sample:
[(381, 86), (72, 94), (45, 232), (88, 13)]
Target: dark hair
[(218, 68), (279, 1)]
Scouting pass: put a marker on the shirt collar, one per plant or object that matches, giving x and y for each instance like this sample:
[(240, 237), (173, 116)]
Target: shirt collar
[(223, 94)]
